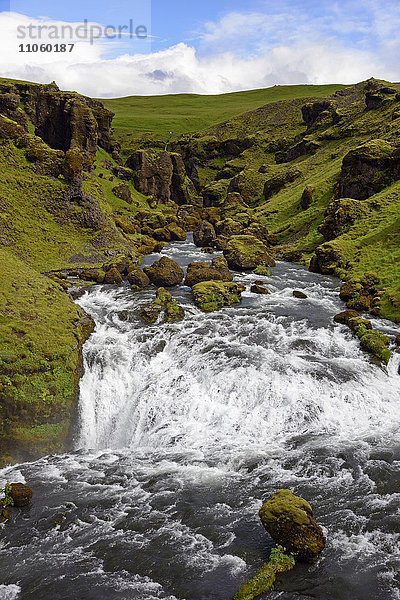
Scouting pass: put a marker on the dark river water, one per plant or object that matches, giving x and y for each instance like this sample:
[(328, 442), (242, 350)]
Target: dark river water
[(184, 429)]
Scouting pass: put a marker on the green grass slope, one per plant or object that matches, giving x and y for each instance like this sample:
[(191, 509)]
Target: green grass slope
[(155, 117)]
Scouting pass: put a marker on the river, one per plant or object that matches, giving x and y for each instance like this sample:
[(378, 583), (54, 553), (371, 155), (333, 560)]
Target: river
[(184, 429)]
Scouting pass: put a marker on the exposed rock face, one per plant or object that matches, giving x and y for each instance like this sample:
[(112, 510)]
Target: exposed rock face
[(212, 295), (204, 234), (165, 272), (340, 215), (327, 259), (199, 271), (319, 111), (306, 146), (368, 169), (215, 193), (290, 521), (123, 192), (163, 176), (64, 120), (21, 495), (245, 252)]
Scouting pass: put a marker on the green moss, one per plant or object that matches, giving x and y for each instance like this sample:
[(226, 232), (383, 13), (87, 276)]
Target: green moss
[(374, 342), (285, 503), (263, 271), (212, 295), (262, 582), (40, 360)]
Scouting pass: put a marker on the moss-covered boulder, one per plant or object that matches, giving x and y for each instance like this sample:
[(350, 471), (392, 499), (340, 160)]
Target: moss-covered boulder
[(375, 342), (228, 227), (176, 232), (290, 521), (278, 181), (204, 235), (245, 252), (113, 276), (216, 271), (164, 304), (137, 278), (212, 295), (165, 272)]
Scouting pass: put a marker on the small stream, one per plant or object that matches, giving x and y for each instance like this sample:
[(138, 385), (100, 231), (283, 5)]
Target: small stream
[(186, 428)]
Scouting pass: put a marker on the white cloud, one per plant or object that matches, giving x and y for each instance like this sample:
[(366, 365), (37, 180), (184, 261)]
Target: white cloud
[(241, 51)]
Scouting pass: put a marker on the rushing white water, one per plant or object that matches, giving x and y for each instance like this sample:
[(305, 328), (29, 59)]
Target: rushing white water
[(185, 428)]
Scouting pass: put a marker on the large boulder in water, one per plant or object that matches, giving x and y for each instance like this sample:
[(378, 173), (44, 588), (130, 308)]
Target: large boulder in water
[(138, 279), (164, 272), (212, 295), (246, 252), (290, 521), (216, 271), (204, 234)]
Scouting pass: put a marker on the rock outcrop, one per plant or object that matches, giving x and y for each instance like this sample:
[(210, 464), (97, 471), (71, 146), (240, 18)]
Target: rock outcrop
[(368, 169), (162, 175)]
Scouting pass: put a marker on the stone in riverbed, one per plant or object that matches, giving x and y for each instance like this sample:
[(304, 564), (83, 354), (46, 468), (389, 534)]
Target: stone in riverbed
[(290, 521), (204, 234), (258, 289), (246, 252), (165, 272), (300, 295), (216, 271), (212, 295), (21, 494), (138, 278)]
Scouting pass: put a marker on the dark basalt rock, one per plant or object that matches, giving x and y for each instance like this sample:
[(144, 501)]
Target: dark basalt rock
[(137, 278), (21, 495), (113, 276), (307, 197), (204, 234), (162, 175), (258, 289), (299, 295), (313, 111), (368, 169)]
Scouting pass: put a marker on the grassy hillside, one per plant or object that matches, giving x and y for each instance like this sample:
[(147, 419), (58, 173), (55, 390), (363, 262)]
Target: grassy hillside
[(154, 117)]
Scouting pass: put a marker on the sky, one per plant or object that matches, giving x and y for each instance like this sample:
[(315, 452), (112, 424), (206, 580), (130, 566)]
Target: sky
[(198, 47)]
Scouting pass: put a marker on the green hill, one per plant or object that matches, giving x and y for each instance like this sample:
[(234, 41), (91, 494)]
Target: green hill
[(155, 117)]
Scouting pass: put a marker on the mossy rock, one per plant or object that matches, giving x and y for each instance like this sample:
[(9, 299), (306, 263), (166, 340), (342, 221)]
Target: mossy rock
[(174, 312), (376, 343), (246, 252), (216, 271), (290, 521), (138, 278), (204, 235), (165, 272), (213, 295)]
